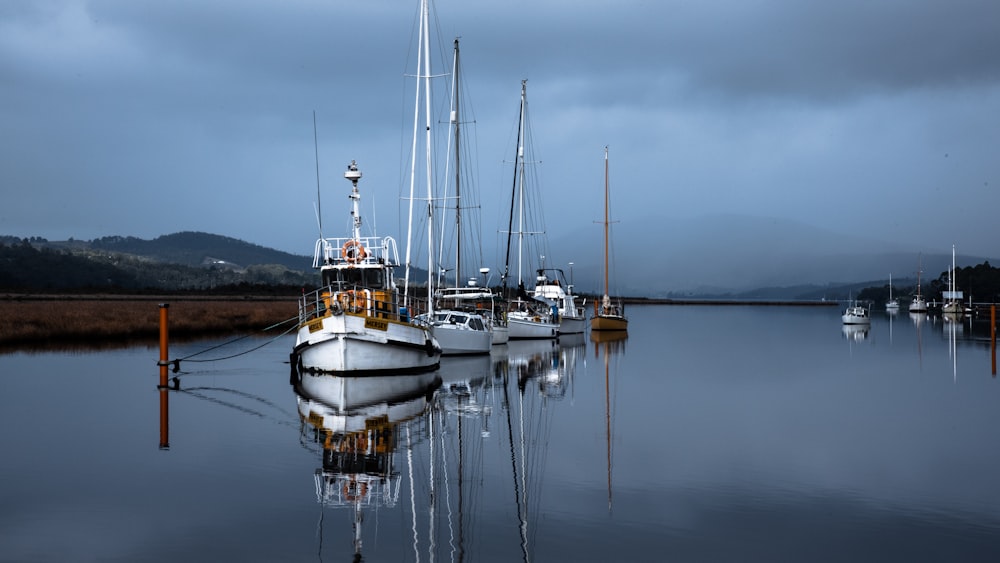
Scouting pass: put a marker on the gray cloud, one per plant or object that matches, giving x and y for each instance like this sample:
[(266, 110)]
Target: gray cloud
[(144, 118)]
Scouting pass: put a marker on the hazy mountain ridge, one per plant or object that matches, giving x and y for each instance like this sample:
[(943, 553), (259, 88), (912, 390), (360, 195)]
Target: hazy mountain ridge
[(723, 255), (736, 254)]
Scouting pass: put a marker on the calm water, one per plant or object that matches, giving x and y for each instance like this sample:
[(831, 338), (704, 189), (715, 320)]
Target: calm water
[(710, 434)]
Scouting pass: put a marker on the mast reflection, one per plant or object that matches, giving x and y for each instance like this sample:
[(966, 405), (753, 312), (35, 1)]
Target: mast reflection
[(608, 344)]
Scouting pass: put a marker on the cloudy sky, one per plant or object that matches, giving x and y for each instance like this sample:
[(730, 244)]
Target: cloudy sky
[(144, 118)]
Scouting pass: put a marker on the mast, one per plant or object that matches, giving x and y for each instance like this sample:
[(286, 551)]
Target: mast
[(520, 185), (425, 45), (458, 170), (513, 191), (423, 75), (606, 286)]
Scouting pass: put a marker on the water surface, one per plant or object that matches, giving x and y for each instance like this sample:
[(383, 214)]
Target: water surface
[(709, 434)]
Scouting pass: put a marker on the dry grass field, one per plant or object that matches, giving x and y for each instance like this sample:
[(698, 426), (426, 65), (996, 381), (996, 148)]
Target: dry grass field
[(73, 320)]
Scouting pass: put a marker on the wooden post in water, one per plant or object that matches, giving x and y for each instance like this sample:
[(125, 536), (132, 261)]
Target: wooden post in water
[(163, 363)]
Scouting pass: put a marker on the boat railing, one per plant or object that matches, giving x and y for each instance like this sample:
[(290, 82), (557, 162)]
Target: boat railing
[(358, 300), (360, 251)]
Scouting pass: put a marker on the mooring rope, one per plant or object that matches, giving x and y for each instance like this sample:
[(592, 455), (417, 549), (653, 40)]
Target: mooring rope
[(176, 362)]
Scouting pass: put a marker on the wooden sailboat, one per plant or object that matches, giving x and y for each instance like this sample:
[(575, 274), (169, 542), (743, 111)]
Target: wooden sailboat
[(608, 315)]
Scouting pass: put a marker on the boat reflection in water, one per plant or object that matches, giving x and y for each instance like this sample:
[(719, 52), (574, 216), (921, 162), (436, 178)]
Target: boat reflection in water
[(358, 422), (856, 332), (549, 363), (609, 346), (433, 446)]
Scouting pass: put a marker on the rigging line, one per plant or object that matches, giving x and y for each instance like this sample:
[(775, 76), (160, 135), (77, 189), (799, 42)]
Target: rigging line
[(246, 395), (236, 407), (275, 325), (290, 329)]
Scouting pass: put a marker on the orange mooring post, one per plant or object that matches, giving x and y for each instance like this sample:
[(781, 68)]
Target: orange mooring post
[(163, 363)]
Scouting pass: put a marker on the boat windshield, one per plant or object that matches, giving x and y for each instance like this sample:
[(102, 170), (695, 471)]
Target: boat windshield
[(372, 278)]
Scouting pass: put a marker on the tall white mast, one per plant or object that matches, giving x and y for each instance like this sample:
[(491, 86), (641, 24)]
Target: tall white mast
[(423, 86), (520, 187), (425, 45)]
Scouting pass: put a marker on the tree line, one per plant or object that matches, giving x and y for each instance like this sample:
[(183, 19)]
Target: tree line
[(25, 267), (981, 283)]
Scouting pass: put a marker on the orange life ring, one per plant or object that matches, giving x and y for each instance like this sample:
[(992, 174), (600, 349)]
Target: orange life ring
[(353, 252), (354, 301), (354, 491)]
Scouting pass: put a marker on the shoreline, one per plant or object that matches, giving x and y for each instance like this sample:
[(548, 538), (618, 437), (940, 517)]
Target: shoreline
[(95, 320)]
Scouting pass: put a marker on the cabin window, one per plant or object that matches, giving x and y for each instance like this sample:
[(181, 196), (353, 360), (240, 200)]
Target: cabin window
[(373, 278)]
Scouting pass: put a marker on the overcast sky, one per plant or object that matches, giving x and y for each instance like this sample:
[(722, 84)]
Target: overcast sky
[(145, 118)]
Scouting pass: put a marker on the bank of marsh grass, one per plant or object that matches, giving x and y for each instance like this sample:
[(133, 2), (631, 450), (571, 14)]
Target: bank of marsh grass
[(70, 321)]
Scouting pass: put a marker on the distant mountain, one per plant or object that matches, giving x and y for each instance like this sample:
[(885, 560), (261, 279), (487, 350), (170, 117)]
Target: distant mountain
[(733, 254), (723, 255), (179, 261)]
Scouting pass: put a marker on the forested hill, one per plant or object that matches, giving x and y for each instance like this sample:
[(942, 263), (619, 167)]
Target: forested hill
[(197, 249), (181, 261)]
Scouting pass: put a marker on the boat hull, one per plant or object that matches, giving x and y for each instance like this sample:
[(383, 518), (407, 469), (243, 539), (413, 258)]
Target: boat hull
[(528, 328), (459, 341), (572, 325), (501, 334), (856, 316), (361, 345), (610, 323)]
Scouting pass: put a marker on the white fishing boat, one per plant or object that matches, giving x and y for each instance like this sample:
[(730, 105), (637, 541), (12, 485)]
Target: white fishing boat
[(892, 304), (918, 304), (355, 323), (856, 314), (528, 316), (608, 314), (459, 321)]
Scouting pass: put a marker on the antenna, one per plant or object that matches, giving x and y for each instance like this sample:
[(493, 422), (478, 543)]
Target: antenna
[(319, 214)]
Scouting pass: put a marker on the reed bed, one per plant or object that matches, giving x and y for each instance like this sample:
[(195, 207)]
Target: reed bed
[(70, 321)]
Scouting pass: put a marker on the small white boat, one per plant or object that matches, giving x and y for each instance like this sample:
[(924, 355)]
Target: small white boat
[(572, 317), (952, 297), (531, 319), (918, 304), (355, 323), (892, 304), (856, 315)]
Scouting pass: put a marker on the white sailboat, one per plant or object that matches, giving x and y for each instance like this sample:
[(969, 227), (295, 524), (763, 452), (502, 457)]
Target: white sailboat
[(456, 323), (856, 314), (952, 297), (918, 304), (528, 316), (892, 304), (355, 323), (608, 315)]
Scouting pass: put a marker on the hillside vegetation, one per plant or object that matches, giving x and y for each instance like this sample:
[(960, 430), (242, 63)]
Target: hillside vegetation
[(179, 262)]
